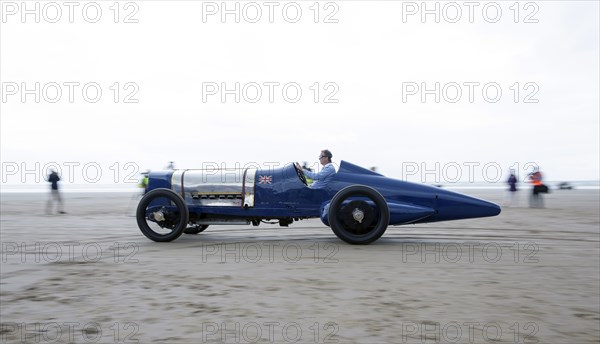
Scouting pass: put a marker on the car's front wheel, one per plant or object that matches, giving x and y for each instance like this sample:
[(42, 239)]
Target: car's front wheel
[(358, 214), (162, 215)]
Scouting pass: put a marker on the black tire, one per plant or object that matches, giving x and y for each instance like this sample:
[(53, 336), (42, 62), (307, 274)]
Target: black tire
[(346, 227), (195, 229), (178, 221)]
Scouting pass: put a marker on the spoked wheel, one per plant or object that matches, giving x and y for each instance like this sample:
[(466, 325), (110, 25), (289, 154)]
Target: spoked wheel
[(358, 214), (195, 229), (162, 215)]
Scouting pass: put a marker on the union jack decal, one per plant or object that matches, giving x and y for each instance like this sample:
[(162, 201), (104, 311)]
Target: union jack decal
[(265, 179)]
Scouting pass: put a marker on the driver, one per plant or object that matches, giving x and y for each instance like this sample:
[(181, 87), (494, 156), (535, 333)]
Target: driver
[(321, 178)]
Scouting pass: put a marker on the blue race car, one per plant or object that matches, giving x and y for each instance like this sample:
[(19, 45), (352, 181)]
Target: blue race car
[(358, 204)]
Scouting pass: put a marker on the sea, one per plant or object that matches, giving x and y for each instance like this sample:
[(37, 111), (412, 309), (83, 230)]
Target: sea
[(133, 188)]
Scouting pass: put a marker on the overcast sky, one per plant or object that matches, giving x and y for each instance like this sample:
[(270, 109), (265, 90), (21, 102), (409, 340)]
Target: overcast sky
[(492, 85)]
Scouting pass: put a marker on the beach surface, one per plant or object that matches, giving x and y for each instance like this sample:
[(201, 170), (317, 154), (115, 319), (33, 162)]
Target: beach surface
[(525, 276)]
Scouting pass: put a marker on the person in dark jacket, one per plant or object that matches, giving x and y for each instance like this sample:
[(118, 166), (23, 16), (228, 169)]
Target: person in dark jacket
[(53, 178), (511, 195)]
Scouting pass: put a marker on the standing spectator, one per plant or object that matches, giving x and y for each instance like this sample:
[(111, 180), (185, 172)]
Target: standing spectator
[(53, 178), (536, 200), (171, 165), (511, 195)]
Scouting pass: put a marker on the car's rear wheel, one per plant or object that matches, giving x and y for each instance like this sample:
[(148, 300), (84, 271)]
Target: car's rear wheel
[(195, 229), (358, 214), (162, 215)]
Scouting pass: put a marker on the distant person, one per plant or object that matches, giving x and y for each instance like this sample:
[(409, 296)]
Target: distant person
[(511, 195), (305, 167), (171, 165), (321, 178), (53, 179), (144, 181), (536, 200)]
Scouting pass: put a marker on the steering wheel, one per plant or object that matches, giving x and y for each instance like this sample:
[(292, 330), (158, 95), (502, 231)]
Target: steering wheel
[(300, 174)]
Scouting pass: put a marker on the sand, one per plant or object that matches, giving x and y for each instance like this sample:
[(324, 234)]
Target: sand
[(527, 275)]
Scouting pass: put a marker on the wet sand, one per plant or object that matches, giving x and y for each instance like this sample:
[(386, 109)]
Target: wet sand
[(528, 275)]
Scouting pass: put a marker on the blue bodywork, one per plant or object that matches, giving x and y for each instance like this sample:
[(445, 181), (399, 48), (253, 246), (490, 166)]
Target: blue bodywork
[(285, 197)]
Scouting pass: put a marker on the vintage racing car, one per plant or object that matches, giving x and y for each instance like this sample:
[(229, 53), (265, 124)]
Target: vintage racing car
[(358, 204)]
